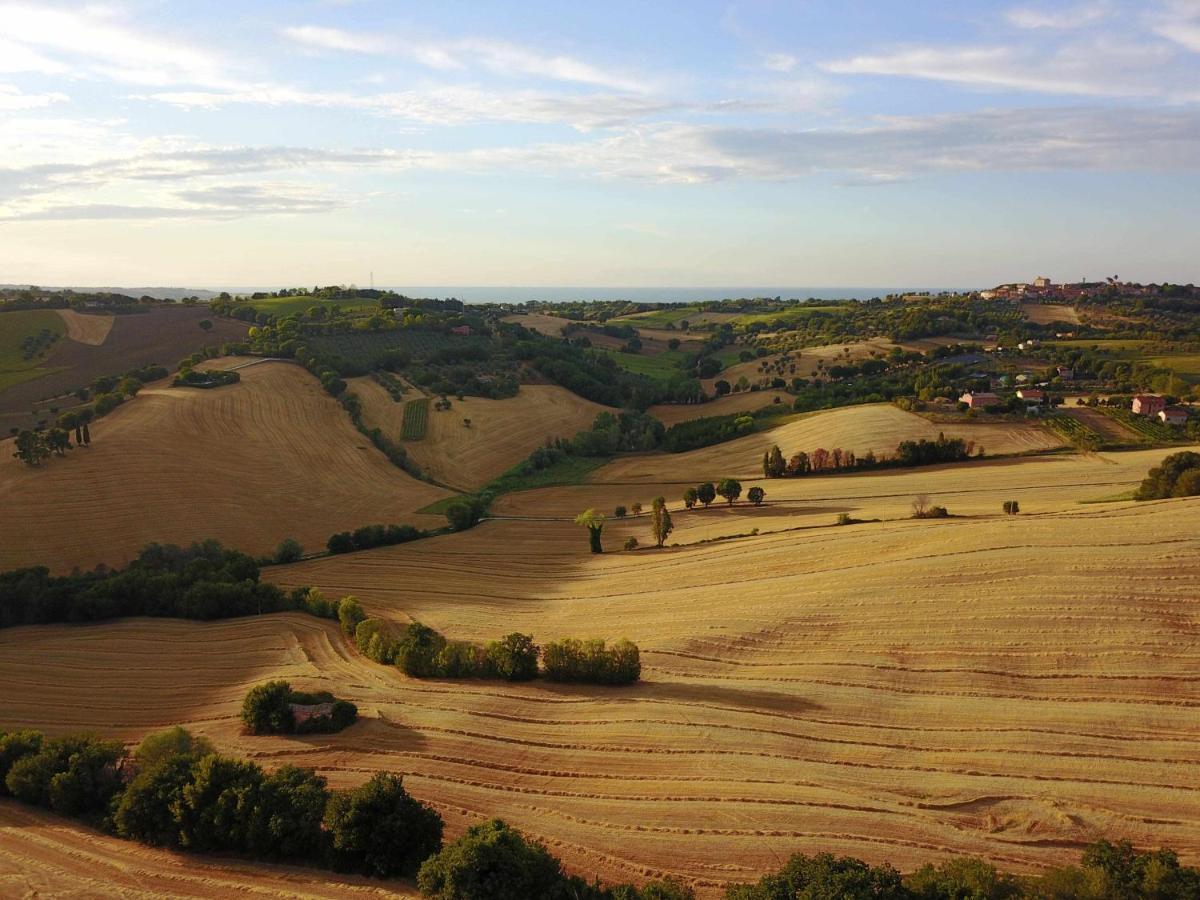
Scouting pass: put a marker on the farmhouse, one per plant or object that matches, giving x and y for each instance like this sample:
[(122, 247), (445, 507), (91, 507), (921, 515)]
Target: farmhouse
[(1173, 415), (464, 330), (1041, 282), (302, 712), (979, 399), (1148, 405), (1032, 395), (1066, 373)]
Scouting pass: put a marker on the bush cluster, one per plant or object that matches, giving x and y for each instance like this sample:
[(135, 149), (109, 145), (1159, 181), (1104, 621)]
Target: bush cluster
[(591, 662), (921, 452), (271, 709), (208, 378), (373, 536), (1178, 475), (175, 792), (203, 581), (421, 652)]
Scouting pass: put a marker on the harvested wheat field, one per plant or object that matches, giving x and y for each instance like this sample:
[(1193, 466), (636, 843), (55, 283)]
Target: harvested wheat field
[(875, 427), (45, 856), (551, 326), (1048, 313), (1012, 687), (742, 402), (502, 433), (249, 464), (84, 329)]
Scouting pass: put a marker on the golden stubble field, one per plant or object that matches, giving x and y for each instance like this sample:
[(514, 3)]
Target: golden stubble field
[(502, 433), (1012, 687), (878, 427), (249, 464)]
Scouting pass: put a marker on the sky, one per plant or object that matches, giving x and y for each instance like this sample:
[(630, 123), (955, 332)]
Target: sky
[(811, 142)]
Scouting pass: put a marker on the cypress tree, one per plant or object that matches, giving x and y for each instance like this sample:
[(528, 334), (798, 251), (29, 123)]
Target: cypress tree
[(87, 436)]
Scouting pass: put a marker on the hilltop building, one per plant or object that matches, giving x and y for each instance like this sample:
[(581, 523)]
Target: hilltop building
[(1148, 405)]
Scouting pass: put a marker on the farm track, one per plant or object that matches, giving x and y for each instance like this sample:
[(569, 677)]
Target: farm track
[(1011, 687)]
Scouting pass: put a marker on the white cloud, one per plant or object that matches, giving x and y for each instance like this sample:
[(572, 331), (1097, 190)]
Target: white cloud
[(1092, 68), (90, 42), (496, 56), (1078, 16), (12, 98), (1179, 22), (335, 39)]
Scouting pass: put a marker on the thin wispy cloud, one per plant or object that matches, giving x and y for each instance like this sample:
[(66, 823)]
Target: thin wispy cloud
[(1045, 16), (497, 56)]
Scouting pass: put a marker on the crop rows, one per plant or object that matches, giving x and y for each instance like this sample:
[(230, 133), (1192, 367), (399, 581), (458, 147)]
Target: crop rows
[(1150, 429), (1073, 431), (416, 419)]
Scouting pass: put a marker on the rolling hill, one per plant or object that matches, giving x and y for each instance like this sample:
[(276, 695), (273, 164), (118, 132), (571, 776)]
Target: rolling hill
[(249, 464)]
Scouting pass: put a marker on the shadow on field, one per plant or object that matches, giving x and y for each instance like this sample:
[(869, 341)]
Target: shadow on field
[(715, 695)]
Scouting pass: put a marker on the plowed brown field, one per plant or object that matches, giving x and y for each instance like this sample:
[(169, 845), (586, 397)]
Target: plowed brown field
[(85, 329), (249, 464), (1012, 687), (502, 433)]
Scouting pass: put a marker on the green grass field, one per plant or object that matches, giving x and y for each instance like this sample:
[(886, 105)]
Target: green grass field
[(662, 366), (659, 318), (786, 316), (416, 419), (569, 470), (20, 360), (287, 306)]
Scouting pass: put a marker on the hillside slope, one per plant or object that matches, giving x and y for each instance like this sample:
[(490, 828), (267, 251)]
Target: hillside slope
[(249, 464), (1011, 687), (878, 427)]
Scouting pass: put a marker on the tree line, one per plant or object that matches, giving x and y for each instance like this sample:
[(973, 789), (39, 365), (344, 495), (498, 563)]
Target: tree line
[(202, 581), (1178, 475), (921, 452), (421, 652)]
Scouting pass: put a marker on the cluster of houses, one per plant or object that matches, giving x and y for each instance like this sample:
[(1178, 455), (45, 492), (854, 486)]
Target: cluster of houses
[(1042, 288), (1154, 407)]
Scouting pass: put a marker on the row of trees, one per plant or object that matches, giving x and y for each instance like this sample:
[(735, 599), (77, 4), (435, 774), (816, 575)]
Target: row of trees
[(271, 708), (420, 652), (35, 447), (373, 536), (921, 452), (203, 581), (661, 523), (176, 792)]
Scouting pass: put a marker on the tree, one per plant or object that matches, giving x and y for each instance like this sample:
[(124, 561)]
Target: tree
[(87, 435), (514, 657), (660, 521), (619, 512), (287, 820), (31, 448), (706, 493), (266, 709), (379, 829), (690, 496), (963, 878), (631, 543), (636, 509), (162, 745), (146, 810), (756, 495), (58, 440), (215, 809), (350, 613), (288, 551), (465, 513), (920, 505), (594, 522), (730, 489), (722, 387), (206, 324), (491, 862), (75, 775)]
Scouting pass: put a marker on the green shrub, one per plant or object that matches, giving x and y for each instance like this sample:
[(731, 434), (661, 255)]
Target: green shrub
[(491, 862), (378, 829)]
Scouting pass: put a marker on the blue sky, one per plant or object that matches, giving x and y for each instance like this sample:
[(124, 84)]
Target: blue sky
[(539, 143)]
